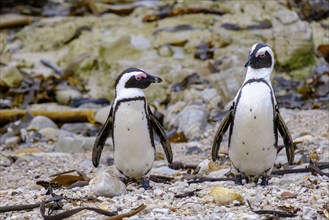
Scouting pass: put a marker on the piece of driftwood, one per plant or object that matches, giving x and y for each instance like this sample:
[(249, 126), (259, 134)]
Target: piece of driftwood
[(14, 20), (10, 115)]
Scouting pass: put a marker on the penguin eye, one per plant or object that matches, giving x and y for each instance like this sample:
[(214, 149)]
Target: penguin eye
[(262, 55), (138, 78)]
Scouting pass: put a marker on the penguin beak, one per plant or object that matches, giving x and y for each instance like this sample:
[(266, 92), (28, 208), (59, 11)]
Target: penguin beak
[(247, 63), (153, 79)]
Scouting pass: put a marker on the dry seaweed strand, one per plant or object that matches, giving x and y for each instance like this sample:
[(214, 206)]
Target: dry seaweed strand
[(56, 200), (128, 214), (314, 169), (179, 165), (271, 212)]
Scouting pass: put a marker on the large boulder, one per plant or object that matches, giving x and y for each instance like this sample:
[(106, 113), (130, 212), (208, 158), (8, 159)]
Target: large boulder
[(293, 43)]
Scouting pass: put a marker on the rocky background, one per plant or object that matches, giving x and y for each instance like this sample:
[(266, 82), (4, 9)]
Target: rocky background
[(58, 65)]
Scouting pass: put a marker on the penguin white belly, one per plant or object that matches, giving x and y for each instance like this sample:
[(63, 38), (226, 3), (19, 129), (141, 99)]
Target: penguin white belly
[(133, 150), (252, 148)]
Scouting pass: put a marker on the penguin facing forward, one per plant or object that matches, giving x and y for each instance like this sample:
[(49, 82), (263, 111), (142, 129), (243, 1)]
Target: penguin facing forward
[(254, 121), (131, 124)]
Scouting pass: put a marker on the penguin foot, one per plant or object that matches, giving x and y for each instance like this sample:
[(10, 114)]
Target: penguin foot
[(238, 179), (264, 181), (146, 183), (125, 180)]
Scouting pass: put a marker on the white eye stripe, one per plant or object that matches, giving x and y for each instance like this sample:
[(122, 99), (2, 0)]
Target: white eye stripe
[(139, 76)]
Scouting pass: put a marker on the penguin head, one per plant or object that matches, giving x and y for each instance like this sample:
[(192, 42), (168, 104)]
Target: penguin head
[(132, 81), (260, 56)]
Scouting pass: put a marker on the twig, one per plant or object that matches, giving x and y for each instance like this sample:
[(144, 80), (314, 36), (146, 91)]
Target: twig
[(310, 168), (200, 179), (271, 212), (161, 179), (179, 165), (128, 214), (187, 194)]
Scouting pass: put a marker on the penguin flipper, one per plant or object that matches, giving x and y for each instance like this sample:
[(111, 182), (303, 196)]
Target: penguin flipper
[(159, 130), (220, 133), (285, 134), (101, 139)]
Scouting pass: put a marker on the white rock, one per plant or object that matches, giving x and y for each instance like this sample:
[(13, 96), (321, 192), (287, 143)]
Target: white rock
[(64, 96), (40, 122), (107, 184), (12, 140), (162, 210), (158, 192), (164, 170), (53, 133), (102, 114), (73, 144), (203, 167)]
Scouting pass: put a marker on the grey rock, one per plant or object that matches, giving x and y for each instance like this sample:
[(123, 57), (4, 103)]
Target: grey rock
[(193, 120), (140, 42), (76, 128), (164, 170), (74, 144), (40, 122), (162, 210), (86, 166), (12, 141), (292, 52), (320, 35), (50, 133), (158, 192), (107, 184), (165, 51), (64, 96), (287, 16)]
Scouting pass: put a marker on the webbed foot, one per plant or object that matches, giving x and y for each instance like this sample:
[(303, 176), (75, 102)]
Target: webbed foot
[(264, 181), (146, 183), (238, 179)]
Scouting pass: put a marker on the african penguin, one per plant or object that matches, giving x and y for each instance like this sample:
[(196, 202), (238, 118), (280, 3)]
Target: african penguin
[(131, 124), (254, 121)]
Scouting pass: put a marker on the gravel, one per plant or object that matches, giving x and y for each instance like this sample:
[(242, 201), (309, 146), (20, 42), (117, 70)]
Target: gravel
[(309, 193)]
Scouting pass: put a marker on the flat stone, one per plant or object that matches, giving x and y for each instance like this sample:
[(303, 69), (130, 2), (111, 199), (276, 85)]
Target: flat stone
[(40, 122), (10, 76), (73, 144), (106, 184)]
